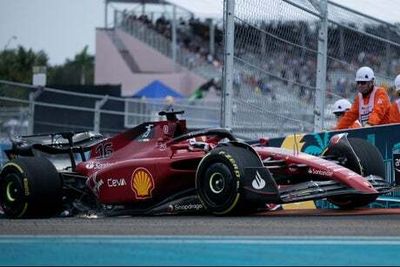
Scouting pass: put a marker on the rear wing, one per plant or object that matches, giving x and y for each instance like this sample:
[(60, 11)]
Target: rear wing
[(54, 143)]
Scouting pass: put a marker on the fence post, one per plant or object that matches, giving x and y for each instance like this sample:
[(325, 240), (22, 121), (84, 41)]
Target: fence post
[(320, 94), (32, 98), (116, 19), (105, 14), (211, 36), (173, 41), (229, 39), (97, 106)]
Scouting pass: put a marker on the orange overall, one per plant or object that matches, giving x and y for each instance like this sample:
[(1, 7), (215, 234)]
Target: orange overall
[(394, 115), (372, 109)]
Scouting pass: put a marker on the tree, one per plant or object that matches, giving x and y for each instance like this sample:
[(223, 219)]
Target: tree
[(80, 70), (84, 61), (16, 64)]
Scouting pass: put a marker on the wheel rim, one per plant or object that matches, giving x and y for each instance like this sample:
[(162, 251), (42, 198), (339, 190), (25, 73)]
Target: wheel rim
[(12, 195), (217, 183), (219, 187), (10, 191)]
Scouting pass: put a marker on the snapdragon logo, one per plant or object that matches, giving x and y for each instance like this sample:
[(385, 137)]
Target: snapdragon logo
[(188, 207)]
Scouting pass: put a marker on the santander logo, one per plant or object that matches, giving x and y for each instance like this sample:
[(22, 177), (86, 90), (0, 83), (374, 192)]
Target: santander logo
[(320, 172)]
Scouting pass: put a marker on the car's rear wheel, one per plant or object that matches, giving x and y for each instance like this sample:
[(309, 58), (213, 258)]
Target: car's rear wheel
[(30, 187), (218, 180), (369, 162)]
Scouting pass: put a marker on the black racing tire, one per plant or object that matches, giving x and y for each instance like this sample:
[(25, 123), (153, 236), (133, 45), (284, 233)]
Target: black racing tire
[(30, 187), (370, 162), (218, 180)]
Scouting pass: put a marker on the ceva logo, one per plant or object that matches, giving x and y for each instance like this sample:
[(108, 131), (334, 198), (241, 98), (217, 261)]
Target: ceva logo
[(111, 182)]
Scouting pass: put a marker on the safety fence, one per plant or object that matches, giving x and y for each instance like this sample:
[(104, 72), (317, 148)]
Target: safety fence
[(292, 59), (27, 109)]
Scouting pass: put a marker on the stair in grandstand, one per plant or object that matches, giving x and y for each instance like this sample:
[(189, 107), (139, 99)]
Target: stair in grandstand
[(127, 57), (157, 41)]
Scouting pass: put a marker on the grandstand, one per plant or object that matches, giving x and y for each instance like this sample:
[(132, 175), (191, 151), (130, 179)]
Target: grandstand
[(151, 43)]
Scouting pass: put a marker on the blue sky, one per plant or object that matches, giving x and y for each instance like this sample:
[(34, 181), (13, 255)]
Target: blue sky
[(63, 27)]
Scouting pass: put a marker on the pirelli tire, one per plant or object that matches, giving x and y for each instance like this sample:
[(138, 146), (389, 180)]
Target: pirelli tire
[(370, 162), (30, 187), (218, 180)]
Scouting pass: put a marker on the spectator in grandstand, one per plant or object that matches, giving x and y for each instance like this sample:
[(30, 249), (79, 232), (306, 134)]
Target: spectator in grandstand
[(341, 87), (394, 114), (371, 105), (340, 108), (264, 88)]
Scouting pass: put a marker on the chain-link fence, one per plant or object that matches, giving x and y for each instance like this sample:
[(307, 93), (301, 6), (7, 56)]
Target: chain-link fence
[(274, 68), (356, 40), (281, 53)]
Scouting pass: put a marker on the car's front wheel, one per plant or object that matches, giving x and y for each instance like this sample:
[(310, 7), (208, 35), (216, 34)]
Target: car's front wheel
[(365, 160), (219, 179)]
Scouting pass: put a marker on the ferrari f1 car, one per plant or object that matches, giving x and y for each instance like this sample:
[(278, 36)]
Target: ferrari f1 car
[(162, 168)]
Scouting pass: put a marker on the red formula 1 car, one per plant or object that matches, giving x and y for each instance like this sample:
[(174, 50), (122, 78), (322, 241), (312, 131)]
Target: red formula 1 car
[(161, 168)]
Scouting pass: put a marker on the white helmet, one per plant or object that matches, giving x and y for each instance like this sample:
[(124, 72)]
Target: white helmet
[(342, 105), (364, 74), (397, 83)]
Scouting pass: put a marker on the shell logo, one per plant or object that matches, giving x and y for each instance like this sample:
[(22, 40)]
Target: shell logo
[(142, 183)]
